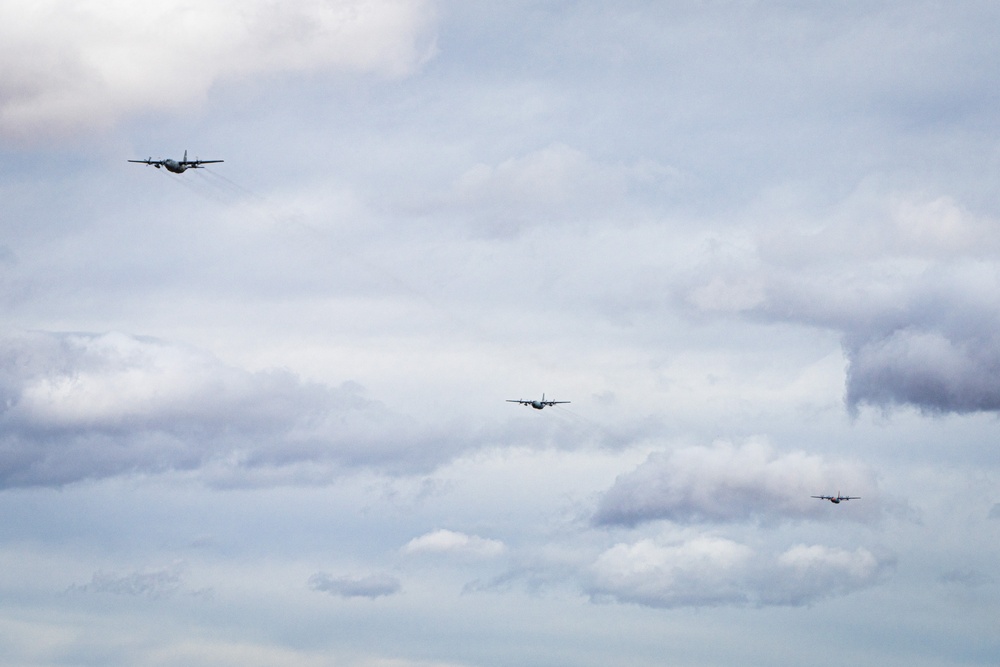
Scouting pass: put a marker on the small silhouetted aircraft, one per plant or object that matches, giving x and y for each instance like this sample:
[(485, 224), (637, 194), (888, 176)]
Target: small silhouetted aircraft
[(538, 405), (837, 498), (176, 166)]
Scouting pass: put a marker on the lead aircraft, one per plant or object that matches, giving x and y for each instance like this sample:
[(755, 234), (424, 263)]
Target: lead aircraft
[(837, 498), (538, 405), (176, 166)]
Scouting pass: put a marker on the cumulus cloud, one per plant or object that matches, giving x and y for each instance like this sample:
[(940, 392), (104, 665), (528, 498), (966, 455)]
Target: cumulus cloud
[(710, 571), (729, 482), (704, 571), (911, 283), (71, 67), (369, 586), (76, 406), (450, 542)]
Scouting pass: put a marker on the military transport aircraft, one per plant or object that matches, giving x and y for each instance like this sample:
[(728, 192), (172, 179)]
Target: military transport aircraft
[(177, 166), (837, 498), (538, 405)]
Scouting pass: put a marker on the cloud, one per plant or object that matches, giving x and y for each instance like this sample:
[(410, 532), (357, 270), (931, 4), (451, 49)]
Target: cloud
[(71, 68), (967, 577), (729, 482), (927, 369), (79, 406), (450, 542), (911, 283), (708, 571), (369, 586), (151, 583), (704, 571), (806, 573)]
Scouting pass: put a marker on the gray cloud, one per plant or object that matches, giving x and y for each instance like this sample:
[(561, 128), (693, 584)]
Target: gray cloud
[(369, 586), (915, 300), (967, 577), (151, 583), (80, 406), (728, 482)]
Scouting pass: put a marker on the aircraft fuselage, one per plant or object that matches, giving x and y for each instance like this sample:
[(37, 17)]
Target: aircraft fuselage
[(175, 166)]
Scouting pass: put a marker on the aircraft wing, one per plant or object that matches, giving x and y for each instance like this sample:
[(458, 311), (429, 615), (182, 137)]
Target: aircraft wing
[(821, 497), (149, 161), (198, 163), (556, 402), (511, 400)]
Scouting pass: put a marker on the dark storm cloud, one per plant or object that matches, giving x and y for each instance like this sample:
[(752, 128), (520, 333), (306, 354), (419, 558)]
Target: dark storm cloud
[(727, 482), (83, 406), (369, 586)]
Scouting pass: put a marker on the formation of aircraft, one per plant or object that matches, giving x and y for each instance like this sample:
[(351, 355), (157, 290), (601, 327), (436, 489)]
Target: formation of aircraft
[(176, 166), (837, 498), (182, 165), (538, 405)]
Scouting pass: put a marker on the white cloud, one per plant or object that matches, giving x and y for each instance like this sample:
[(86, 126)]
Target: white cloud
[(702, 571), (712, 571), (450, 542), (73, 67)]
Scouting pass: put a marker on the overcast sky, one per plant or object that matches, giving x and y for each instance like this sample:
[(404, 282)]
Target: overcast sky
[(255, 415)]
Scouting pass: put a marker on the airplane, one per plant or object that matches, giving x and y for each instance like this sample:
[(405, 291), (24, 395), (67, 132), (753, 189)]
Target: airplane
[(836, 499), (177, 166), (538, 405)]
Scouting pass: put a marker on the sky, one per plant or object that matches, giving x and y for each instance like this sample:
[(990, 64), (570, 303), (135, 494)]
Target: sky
[(256, 414)]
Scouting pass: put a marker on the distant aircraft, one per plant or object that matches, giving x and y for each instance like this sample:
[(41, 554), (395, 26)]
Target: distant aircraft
[(837, 498), (538, 405), (177, 166)]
